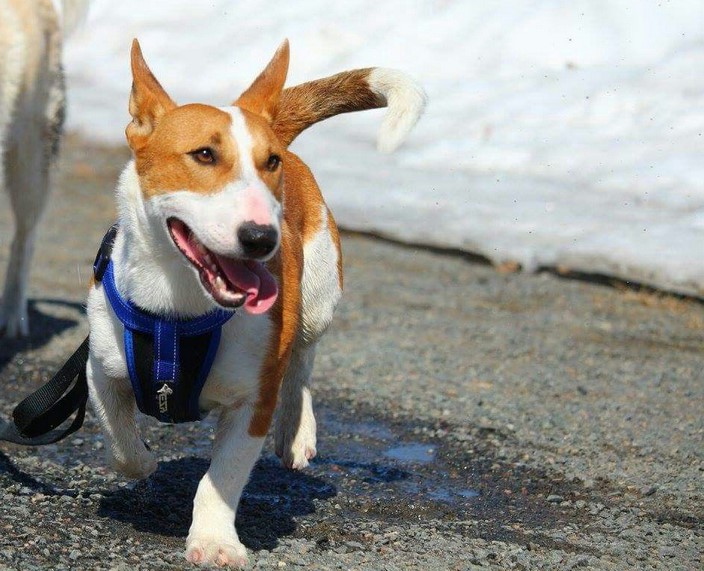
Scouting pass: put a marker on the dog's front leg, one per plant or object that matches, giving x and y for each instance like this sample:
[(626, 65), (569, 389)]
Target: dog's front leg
[(114, 405), (212, 537)]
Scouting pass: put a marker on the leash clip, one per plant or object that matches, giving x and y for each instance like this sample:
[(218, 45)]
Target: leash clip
[(102, 258)]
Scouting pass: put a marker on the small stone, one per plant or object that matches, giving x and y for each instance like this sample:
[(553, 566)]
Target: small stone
[(580, 561), (668, 552), (555, 499), (596, 508), (648, 490)]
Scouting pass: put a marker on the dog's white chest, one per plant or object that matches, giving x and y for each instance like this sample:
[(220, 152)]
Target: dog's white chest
[(236, 371)]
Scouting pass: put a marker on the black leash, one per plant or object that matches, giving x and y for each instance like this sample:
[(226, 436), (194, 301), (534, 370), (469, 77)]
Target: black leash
[(36, 418)]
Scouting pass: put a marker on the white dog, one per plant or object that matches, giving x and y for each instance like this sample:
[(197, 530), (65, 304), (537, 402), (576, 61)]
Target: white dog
[(224, 235), (31, 119)]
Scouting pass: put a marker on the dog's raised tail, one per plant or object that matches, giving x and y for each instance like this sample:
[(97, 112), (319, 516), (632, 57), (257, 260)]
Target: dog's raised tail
[(308, 103)]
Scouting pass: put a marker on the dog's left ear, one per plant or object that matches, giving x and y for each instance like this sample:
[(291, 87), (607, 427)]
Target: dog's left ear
[(148, 100), (263, 95)]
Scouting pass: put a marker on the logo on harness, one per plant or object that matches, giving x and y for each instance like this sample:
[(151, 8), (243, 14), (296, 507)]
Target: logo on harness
[(164, 393)]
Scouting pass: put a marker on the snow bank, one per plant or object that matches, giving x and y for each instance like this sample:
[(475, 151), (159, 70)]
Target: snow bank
[(558, 133)]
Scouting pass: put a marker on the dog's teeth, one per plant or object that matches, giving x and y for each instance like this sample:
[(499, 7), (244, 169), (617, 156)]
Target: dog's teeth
[(219, 283)]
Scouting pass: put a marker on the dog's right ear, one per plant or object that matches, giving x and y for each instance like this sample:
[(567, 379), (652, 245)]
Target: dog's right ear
[(263, 95), (148, 100)]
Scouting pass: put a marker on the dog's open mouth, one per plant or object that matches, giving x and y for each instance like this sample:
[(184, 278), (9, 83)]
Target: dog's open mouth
[(230, 282)]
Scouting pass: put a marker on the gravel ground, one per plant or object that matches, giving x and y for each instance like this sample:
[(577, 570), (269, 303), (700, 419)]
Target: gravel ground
[(468, 418)]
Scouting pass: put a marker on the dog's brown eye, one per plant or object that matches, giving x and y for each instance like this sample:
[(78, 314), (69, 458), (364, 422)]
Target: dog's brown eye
[(205, 155), (273, 162)]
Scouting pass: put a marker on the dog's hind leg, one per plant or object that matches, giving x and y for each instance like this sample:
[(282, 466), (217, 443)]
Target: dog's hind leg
[(27, 181), (27, 161), (321, 288), (295, 440)]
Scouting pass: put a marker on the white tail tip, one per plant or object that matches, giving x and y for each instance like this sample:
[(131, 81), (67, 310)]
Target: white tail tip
[(405, 100)]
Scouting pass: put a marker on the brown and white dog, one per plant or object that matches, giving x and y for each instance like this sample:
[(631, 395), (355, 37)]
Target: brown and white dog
[(216, 212), (31, 118)]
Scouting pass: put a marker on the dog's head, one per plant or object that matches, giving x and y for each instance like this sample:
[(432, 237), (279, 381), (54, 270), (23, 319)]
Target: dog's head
[(211, 179)]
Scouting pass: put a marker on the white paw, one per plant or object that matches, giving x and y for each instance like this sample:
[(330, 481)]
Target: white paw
[(138, 465), (222, 551), (295, 450), (14, 323)]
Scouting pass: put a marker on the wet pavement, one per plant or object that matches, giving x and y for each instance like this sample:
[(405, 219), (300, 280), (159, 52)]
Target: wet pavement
[(370, 481)]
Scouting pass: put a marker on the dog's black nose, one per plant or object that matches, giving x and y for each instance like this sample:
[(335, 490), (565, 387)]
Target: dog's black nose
[(257, 240)]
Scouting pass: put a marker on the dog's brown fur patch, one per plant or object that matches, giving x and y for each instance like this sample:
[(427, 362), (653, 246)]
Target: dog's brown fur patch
[(163, 161)]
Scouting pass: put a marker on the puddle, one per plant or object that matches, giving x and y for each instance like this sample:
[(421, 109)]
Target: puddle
[(448, 495), (384, 470), (412, 452), (387, 465)]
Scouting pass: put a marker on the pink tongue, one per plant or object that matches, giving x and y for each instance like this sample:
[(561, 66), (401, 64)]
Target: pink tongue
[(254, 279)]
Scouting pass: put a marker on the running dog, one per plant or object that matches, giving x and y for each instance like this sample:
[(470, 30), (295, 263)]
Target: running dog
[(31, 120), (218, 220)]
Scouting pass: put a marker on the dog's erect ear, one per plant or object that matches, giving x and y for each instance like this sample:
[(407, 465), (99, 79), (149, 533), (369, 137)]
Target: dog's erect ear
[(263, 95), (148, 100)]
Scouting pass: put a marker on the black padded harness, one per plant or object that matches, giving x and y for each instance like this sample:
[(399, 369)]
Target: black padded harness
[(168, 359)]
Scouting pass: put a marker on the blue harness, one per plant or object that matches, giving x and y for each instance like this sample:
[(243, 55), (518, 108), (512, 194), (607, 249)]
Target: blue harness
[(168, 359)]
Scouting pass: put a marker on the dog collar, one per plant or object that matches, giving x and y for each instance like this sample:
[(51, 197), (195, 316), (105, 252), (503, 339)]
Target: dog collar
[(168, 359)]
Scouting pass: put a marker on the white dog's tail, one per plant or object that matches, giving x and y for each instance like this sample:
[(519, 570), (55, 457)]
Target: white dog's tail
[(308, 103), (73, 14)]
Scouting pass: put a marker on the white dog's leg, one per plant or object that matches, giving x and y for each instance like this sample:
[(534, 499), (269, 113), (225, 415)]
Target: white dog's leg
[(115, 407), (27, 180), (212, 537), (295, 422), (31, 140)]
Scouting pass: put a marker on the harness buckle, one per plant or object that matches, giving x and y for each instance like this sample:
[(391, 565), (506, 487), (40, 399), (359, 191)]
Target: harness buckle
[(102, 258)]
